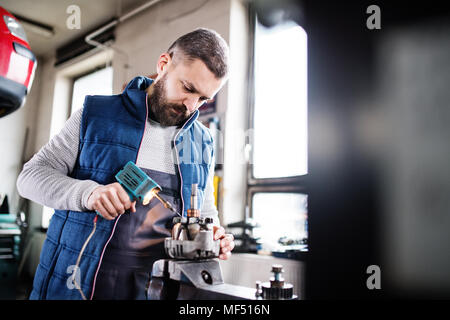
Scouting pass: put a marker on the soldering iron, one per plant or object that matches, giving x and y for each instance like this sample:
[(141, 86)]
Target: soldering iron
[(140, 186)]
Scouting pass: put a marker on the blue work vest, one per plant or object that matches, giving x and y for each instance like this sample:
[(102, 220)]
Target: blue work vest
[(111, 133)]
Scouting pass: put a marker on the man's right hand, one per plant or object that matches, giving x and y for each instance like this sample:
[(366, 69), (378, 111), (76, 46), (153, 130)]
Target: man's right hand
[(110, 201)]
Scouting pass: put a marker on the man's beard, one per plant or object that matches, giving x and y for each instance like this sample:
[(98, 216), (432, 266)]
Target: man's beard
[(167, 114)]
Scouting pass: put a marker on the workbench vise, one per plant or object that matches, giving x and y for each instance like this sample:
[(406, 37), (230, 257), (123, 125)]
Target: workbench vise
[(194, 271), (193, 280), (202, 280)]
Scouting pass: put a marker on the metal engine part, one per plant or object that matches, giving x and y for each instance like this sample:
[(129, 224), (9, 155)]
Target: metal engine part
[(192, 236), (276, 289), (192, 239)]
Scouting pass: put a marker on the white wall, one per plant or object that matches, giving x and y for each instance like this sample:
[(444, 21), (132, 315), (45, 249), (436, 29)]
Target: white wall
[(236, 119), (244, 269), (12, 138), (150, 33), (36, 116), (40, 123)]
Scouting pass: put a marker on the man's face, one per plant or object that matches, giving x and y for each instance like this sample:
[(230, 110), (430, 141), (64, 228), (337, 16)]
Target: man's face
[(180, 90)]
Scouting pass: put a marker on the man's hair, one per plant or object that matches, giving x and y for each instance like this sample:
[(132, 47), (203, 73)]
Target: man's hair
[(206, 45)]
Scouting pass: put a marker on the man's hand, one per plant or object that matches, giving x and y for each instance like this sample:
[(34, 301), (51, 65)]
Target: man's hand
[(110, 201), (226, 242)]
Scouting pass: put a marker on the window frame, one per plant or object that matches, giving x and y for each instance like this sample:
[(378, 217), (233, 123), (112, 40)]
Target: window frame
[(291, 184)]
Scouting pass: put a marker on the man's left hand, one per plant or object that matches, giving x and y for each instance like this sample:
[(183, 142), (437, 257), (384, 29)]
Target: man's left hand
[(226, 242)]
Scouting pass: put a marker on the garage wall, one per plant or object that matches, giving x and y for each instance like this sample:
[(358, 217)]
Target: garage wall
[(144, 37), (13, 129)]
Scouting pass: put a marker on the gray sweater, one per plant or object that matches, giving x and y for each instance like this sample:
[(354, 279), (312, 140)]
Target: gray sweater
[(44, 179)]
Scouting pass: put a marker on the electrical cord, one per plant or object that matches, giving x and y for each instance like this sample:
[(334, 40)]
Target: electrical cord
[(77, 285)]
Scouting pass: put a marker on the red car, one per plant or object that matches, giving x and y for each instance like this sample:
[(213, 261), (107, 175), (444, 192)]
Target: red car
[(17, 64)]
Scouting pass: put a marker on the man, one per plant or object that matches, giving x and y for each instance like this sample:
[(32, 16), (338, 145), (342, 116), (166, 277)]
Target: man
[(152, 123)]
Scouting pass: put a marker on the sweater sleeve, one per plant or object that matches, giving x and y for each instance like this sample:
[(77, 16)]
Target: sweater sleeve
[(44, 178)]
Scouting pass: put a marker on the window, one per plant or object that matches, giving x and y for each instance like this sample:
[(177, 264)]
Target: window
[(280, 102), (286, 212), (277, 195), (98, 82)]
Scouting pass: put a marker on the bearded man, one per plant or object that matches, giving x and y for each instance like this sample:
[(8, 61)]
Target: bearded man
[(152, 123)]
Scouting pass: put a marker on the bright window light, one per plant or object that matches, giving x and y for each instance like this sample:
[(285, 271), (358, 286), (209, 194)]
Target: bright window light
[(280, 113), (96, 83), (280, 215)]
